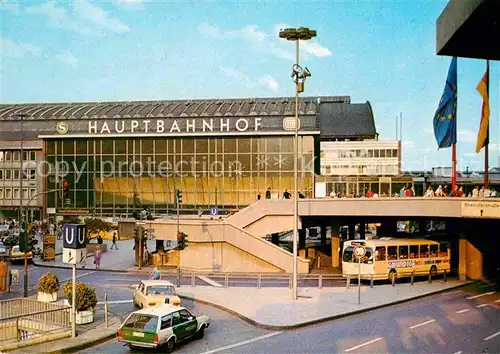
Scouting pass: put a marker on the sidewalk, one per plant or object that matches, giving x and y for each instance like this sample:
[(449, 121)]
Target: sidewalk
[(274, 308), (122, 259)]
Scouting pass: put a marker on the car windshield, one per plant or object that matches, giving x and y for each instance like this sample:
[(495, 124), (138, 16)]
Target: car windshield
[(15, 249), (139, 321), (160, 290)]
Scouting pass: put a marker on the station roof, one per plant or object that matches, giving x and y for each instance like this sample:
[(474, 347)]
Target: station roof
[(336, 115), (469, 29)]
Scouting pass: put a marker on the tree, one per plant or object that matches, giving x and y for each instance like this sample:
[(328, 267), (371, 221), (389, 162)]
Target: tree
[(95, 226)]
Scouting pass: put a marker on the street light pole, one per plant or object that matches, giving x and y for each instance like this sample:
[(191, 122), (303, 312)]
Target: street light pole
[(295, 182), (299, 75)]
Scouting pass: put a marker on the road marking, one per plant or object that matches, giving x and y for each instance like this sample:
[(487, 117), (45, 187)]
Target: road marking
[(117, 302), (459, 352), (209, 281), (364, 344), (483, 305), (492, 336), (422, 324), (453, 292), (463, 311), (239, 344), (480, 295)]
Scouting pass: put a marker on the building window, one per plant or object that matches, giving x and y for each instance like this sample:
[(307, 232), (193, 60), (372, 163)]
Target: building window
[(8, 193), (2, 155), (32, 192), (15, 175), (394, 152), (8, 174), (16, 193), (8, 155), (25, 193), (375, 153), (33, 155), (1, 175), (32, 174), (382, 153), (16, 155)]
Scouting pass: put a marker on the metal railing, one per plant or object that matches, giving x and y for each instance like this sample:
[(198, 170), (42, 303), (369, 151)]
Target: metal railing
[(28, 320), (392, 277)]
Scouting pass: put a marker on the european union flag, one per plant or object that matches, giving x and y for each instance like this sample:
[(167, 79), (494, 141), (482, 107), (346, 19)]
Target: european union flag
[(445, 119)]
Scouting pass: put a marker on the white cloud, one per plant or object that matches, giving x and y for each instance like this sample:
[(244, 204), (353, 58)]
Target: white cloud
[(270, 82), (100, 17), (18, 50), (315, 49), (87, 18), (266, 81), (266, 42), (466, 135), (68, 58), (408, 144), (250, 33), (131, 4), (210, 30)]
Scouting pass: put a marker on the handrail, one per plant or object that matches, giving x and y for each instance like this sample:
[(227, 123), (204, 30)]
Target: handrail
[(34, 313)]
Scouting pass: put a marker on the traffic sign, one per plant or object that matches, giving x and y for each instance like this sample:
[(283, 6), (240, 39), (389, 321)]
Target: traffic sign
[(359, 251), (214, 211)]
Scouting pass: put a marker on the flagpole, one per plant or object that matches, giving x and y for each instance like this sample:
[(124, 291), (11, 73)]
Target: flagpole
[(453, 166), (487, 143)]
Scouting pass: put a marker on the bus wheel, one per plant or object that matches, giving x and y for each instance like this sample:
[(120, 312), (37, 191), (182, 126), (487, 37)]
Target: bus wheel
[(434, 271), (393, 274)]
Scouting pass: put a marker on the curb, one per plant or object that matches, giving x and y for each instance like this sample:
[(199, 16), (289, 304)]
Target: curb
[(320, 320), (86, 344)]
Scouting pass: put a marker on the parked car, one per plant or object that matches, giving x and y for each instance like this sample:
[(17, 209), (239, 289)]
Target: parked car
[(155, 292), (161, 326), (17, 255), (3, 250)]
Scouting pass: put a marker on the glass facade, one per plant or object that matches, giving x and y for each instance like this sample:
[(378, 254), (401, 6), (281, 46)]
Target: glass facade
[(116, 176)]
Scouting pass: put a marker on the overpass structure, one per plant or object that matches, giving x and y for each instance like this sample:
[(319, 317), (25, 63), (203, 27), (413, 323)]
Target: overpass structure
[(238, 242)]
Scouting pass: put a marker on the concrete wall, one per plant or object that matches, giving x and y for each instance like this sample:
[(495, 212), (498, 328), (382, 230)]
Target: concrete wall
[(217, 244)]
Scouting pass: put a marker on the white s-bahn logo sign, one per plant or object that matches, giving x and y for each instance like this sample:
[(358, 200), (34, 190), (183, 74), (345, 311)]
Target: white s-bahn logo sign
[(400, 264)]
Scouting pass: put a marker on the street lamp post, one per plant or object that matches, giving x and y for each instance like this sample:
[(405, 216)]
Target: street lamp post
[(299, 75)]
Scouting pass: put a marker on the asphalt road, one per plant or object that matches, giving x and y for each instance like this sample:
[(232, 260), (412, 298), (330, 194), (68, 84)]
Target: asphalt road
[(464, 321)]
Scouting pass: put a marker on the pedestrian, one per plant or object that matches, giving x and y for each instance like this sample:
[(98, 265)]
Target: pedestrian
[(114, 241), (155, 274), (268, 193), (258, 196), (4, 270), (286, 194), (301, 196), (97, 258)]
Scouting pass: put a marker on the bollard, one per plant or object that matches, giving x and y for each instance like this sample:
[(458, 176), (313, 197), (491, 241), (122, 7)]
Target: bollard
[(412, 276), (444, 276), (226, 281), (371, 281), (259, 281), (106, 309), (393, 279), (348, 282), (10, 280), (320, 281), (319, 261), (430, 277), (193, 279)]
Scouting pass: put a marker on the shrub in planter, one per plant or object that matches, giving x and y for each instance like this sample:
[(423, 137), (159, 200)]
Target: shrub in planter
[(86, 298), (48, 285)]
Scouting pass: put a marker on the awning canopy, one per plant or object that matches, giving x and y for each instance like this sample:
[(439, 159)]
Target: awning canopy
[(469, 29)]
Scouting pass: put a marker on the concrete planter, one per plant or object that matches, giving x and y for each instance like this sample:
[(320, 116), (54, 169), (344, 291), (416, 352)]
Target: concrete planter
[(84, 317), (47, 297)]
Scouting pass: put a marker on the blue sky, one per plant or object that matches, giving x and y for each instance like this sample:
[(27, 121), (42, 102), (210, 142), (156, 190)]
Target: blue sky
[(124, 50)]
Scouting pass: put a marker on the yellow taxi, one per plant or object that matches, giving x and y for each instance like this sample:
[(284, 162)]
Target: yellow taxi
[(17, 255), (155, 292)]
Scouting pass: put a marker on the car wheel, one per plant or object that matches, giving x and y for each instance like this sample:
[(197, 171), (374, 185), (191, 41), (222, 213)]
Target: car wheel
[(135, 304), (201, 332), (170, 346)]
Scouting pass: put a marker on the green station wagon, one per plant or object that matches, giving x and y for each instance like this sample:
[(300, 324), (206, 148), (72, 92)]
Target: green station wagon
[(160, 326)]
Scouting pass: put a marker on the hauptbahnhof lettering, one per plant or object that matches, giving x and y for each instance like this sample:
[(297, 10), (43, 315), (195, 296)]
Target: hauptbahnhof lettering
[(118, 157)]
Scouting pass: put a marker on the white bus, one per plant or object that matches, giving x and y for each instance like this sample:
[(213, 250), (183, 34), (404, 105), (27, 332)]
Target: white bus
[(388, 257)]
